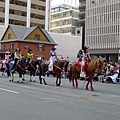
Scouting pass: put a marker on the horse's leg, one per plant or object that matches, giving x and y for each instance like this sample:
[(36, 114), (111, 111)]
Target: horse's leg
[(30, 76), (20, 76), (57, 81), (23, 77), (12, 76), (88, 82), (40, 79), (76, 83), (91, 86), (34, 76), (44, 81), (87, 85), (59, 78)]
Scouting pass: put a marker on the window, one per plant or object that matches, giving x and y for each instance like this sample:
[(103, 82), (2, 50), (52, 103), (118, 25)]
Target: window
[(26, 47), (37, 37), (12, 46), (40, 47), (9, 36)]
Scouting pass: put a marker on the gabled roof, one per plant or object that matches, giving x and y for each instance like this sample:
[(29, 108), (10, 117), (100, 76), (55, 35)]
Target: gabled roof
[(48, 36), (22, 32), (29, 30), (2, 30)]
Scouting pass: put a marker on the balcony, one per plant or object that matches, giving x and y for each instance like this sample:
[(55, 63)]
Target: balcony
[(82, 14), (82, 6), (82, 21), (81, 0)]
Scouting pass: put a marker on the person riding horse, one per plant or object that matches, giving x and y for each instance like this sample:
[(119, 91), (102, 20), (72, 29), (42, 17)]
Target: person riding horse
[(53, 59), (85, 60), (17, 56), (29, 57)]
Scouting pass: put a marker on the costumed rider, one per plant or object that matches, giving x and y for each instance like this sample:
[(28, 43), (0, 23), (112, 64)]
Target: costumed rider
[(17, 56), (85, 61), (29, 56), (53, 59)]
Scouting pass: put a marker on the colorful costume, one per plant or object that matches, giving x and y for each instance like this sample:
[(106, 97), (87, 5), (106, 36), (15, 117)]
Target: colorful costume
[(85, 61), (53, 59)]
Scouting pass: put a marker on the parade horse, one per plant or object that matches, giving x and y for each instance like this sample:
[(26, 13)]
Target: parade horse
[(34, 67), (75, 70), (58, 69), (19, 68)]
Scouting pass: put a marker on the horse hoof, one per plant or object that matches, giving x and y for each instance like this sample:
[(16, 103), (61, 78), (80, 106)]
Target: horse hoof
[(10, 80), (92, 89), (34, 81), (73, 87), (40, 82), (57, 84), (23, 79), (30, 80), (86, 88), (45, 83), (18, 81), (77, 87)]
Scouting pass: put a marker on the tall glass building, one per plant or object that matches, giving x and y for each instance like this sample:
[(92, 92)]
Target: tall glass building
[(103, 28)]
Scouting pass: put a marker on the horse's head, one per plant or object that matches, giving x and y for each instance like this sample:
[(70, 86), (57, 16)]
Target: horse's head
[(100, 65)]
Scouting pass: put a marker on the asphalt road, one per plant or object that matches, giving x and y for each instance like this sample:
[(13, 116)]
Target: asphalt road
[(32, 101)]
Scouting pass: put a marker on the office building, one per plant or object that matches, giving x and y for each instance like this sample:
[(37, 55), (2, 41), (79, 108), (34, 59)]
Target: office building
[(70, 2), (64, 19), (23, 12), (103, 28)]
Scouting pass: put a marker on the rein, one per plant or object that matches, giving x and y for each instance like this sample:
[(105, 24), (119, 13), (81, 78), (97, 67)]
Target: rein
[(20, 67), (58, 67), (32, 66)]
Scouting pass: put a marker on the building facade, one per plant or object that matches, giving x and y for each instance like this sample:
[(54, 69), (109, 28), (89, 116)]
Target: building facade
[(64, 19), (23, 12), (82, 10), (25, 38), (103, 28), (70, 2), (68, 45)]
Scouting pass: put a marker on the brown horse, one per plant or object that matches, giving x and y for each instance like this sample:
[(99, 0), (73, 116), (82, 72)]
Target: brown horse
[(92, 67), (60, 66)]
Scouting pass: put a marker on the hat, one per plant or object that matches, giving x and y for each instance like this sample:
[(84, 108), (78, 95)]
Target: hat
[(53, 48), (18, 49), (7, 52), (85, 48), (29, 50)]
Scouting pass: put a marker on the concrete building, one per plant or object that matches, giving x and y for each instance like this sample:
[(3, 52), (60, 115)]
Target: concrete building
[(64, 19), (82, 10), (70, 2), (103, 28), (23, 12), (68, 45)]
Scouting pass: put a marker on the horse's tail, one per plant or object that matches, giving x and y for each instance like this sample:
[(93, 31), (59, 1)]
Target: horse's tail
[(70, 74)]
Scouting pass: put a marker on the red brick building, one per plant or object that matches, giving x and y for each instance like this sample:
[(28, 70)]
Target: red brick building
[(27, 38)]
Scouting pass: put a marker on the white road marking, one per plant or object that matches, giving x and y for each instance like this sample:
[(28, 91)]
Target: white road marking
[(9, 90), (47, 100)]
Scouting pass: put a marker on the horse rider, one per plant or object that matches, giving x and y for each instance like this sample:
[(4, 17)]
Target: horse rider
[(80, 55), (29, 56), (7, 55), (17, 56), (53, 59), (85, 60)]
